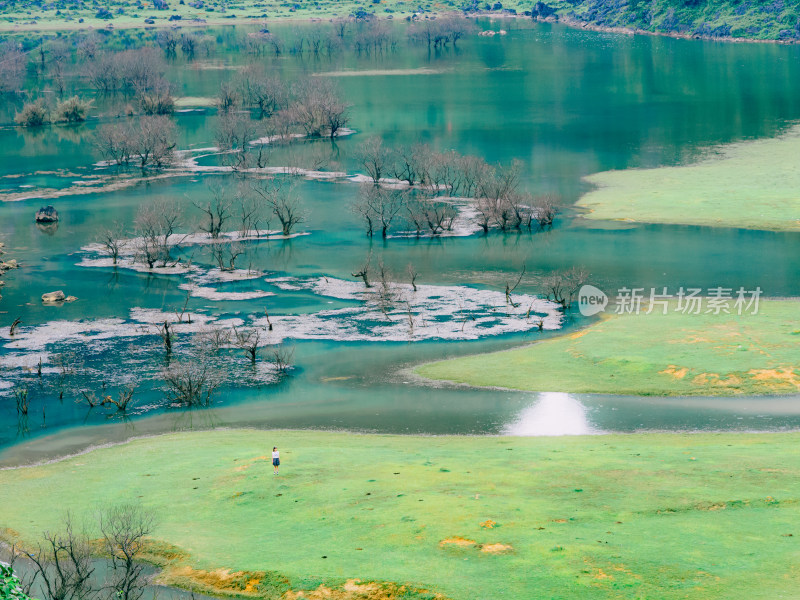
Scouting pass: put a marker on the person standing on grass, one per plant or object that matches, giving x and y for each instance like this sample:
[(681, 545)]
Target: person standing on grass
[(276, 459)]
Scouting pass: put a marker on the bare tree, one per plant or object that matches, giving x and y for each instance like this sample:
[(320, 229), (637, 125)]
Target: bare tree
[(412, 275), (267, 93), (375, 158), (363, 271), (225, 255), (248, 340), (21, 398), (234, 134), (112, 241), (282, 357), (125, 528), (156, 141), (116, 142), (216, 211), (318, 109), (546, 208), (63, 563), (562, 286), (155, 227), (191, 382), (12, 68), (407, 162), (378, 207), (282, 201), (228, 97)]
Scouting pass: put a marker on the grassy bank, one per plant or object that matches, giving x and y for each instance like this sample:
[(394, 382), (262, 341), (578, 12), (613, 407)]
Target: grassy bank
[(751, 185), (721, 19), (717, 19), (655, 354), (637, 516), (30, 15)]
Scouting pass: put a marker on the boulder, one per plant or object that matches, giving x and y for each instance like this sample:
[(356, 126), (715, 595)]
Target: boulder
[(8, 265), (48, 214), (57, 297), (50, 297)]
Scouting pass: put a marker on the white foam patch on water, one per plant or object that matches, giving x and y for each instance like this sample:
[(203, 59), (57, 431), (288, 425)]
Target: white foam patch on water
[(143, 322), (553, 414), (24, 361), (430, 312)]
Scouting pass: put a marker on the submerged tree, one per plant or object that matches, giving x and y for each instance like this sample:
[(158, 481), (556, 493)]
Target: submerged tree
[(282, 201)]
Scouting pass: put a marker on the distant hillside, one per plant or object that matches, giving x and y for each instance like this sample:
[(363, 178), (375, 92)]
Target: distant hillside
[(751, 19)]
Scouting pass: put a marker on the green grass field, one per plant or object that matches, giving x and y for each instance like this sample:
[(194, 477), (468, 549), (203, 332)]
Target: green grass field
[(655, 354), (751, 185), (473, 518), (29, 15)]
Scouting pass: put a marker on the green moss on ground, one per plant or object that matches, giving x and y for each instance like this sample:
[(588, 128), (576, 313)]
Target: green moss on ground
[(655, 354), (751, 185), (623, 516)]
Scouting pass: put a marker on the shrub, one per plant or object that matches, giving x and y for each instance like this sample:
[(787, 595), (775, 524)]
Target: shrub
[(157, 103), (33, 114), (72, 110), (9, 584)]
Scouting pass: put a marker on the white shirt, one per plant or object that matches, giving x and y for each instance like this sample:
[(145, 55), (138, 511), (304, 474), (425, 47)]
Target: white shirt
[(276, 454)]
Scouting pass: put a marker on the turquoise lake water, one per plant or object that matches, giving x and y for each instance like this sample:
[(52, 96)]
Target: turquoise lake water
[(567, 103)]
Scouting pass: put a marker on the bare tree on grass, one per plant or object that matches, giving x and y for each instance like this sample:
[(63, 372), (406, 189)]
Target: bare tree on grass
[(63, 563), (125, 528), (282, 201)]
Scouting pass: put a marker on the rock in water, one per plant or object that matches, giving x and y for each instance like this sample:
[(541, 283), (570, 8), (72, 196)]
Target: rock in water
[(48, 214), (57, 297), (51, 297)]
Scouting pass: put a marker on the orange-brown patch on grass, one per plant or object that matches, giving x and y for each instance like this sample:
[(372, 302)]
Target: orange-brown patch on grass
[(497, 548), (354, 589), (675, 371), (777, 377), (457, 542), (489, 524)]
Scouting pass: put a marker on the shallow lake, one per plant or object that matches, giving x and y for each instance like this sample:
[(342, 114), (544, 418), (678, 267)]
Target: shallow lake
[(567, 103)]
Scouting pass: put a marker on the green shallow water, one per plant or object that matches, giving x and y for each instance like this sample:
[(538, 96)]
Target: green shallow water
[(567, 103)]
